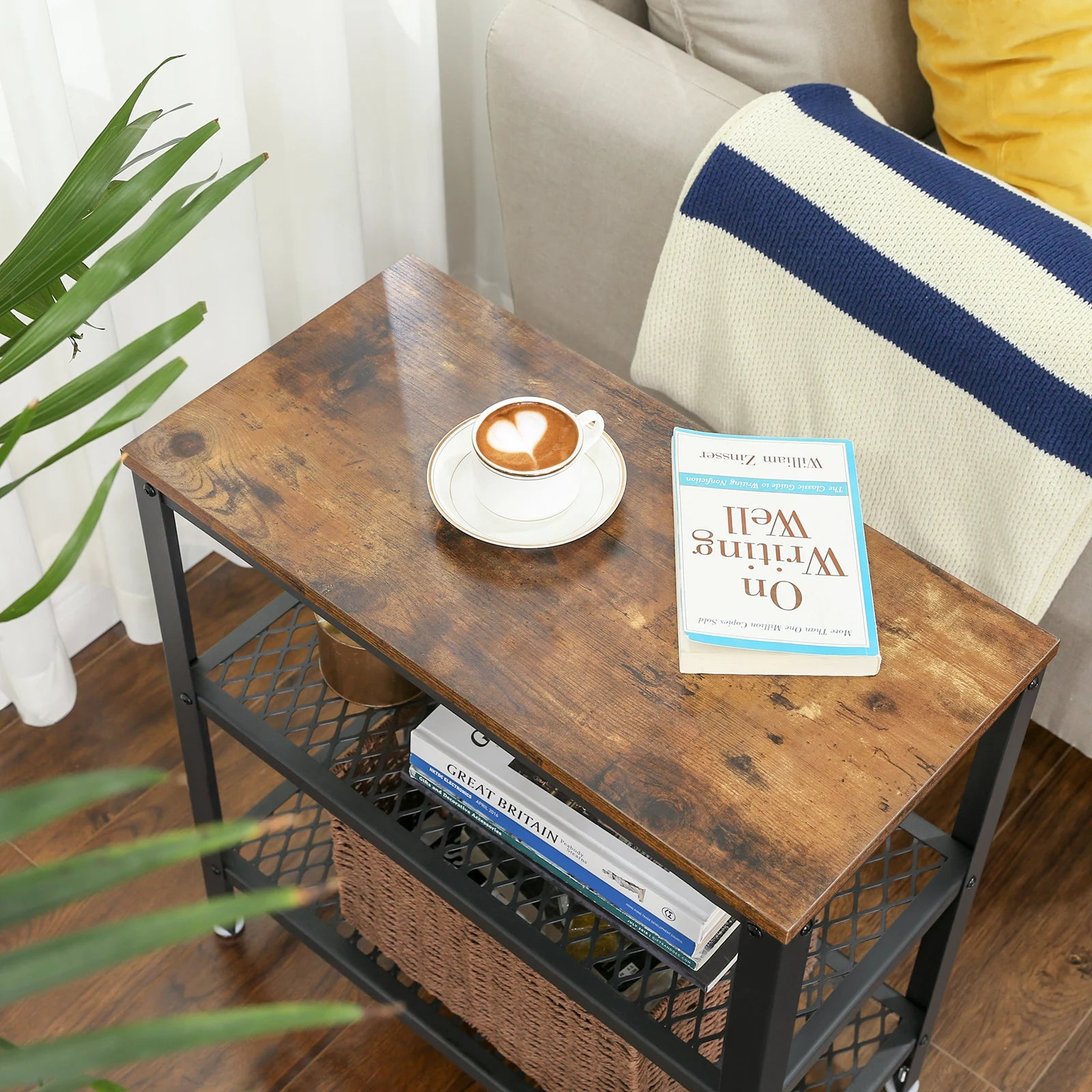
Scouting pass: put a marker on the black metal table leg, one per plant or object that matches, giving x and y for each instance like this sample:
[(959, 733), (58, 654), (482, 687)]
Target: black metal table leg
[(976, 822), (762, 1012), (173, 607)]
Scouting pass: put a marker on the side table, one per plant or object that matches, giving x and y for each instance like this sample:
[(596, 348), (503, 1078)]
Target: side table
[(788, 799)]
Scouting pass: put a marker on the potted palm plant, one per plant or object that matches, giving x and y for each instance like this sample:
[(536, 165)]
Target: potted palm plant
[(67, 266)]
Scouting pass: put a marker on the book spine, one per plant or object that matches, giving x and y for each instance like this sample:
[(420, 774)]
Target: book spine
[(633, 877), (587, 884), (572, 835)]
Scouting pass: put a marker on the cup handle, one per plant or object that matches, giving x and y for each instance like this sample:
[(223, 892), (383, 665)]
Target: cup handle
[(591, 423)]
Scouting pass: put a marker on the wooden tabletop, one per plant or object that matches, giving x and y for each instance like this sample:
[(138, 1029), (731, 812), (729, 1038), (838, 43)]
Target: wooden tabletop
[(768, 791)]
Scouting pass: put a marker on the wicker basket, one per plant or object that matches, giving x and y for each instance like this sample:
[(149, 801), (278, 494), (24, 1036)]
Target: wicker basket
[(530, 1021)]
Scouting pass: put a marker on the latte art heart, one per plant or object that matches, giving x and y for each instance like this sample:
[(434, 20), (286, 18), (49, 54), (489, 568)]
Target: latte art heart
[(527, 436), (520, 434)]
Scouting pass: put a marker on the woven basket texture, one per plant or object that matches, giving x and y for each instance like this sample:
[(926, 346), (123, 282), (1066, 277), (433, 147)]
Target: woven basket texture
[(550, 1037)]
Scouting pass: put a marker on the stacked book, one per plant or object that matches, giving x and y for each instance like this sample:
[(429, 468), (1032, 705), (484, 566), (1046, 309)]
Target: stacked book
[(483, 781)]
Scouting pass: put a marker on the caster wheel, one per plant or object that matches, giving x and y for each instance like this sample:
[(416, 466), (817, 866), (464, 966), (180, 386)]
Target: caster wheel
[(230, 932), (890, 1086)]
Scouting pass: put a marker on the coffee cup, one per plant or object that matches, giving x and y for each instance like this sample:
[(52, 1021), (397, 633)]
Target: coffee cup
[(527, 454)]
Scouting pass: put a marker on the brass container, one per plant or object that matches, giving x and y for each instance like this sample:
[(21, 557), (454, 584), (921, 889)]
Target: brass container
[(357, 674)]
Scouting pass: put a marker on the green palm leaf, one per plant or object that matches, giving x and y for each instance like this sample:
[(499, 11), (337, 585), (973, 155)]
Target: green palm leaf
[(79, 193), (15, 428), (63, 1059), (128, 408), (121, 203), (63, 959), (69, 554), (32, 806), (37, 890), (76, 1083), (92, 384), (11, 326), (122, 264)]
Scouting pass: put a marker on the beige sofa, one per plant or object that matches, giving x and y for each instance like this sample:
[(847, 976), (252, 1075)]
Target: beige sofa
[(595, 123)]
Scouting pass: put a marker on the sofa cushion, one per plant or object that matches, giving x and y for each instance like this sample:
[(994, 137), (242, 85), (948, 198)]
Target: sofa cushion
[(867, 45), (1013, 90)]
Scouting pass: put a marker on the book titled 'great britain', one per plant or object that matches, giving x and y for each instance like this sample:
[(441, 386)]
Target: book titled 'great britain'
[(772, 574)]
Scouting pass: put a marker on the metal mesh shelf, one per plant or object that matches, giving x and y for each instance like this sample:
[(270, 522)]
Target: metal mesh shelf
[(269, 669), (303, 855), (840, 1065), (859, 916)]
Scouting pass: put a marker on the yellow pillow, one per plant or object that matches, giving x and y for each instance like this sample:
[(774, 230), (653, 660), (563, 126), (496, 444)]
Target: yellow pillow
[(1012, 91)]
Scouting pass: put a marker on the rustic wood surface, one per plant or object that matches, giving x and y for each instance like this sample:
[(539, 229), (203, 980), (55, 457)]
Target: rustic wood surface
[(766, 791), (378, 1057)]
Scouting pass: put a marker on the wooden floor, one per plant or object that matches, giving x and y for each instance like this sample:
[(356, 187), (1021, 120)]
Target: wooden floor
[(1018, 1014)]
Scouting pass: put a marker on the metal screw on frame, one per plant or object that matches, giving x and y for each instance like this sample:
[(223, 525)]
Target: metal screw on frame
[(185, 699)]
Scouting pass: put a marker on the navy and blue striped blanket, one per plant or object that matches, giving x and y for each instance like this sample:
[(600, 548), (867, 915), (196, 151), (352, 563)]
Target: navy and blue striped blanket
[(826, 275)]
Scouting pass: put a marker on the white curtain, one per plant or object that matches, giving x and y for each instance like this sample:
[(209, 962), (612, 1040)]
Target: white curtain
[(373, 115)]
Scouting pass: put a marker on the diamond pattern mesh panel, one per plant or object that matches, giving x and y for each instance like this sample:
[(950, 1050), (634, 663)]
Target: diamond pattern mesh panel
[(856, 918), (836, 1068), (276, 676)]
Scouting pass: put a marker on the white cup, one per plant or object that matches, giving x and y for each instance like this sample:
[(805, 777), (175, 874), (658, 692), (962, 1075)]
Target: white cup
[(533, 494)]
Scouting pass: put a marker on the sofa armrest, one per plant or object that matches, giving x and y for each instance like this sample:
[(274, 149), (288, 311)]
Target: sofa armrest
[(595, 125)]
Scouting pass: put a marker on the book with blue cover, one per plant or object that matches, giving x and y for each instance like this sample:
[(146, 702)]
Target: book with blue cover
[(479, 777), (771, 567)]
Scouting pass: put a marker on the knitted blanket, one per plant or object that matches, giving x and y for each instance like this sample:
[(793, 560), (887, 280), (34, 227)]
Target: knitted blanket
[(826, 275)]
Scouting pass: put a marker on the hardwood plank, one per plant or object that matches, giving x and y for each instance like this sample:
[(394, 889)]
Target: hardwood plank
[(1023, 979), (267, 966), (1071, 1071), (1041, 752), (311, 460), (378, 1057), (86, 656), (132, 720), (163, 807), (943, 1073)]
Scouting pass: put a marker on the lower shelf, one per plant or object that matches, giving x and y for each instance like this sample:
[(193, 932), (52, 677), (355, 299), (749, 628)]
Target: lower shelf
[(864, 1052), (263, 685)]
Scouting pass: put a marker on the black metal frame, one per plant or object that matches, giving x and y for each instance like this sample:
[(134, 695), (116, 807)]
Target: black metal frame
[(773, 1043)]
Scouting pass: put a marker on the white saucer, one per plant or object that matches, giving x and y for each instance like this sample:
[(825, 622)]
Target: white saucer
[(450, 484)]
